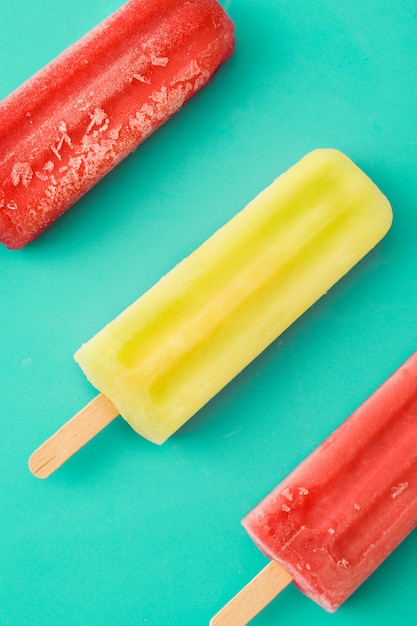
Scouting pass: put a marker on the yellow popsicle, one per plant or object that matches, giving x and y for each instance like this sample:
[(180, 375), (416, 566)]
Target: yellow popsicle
[(179, 344)]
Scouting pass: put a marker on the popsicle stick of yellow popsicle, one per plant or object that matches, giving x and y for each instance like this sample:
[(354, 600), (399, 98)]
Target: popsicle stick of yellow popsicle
[(72, 436), (164, 357), (254, 597)]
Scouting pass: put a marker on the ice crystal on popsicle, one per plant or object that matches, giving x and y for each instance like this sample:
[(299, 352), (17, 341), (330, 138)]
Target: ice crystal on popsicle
[(73, 121)]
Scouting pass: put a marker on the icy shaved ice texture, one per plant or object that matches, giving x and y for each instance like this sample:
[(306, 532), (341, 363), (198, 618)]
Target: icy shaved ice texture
[(78, 117), (349, 504)]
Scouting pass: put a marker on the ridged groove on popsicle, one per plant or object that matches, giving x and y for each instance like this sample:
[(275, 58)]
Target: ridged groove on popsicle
[(235, 294), (172, 375), (257, 259)]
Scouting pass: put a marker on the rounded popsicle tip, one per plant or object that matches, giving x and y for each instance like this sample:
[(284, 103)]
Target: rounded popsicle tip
[(376, 205)]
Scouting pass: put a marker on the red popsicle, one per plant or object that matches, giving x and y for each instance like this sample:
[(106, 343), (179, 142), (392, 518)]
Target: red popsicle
[(347, 506), (73, 121)]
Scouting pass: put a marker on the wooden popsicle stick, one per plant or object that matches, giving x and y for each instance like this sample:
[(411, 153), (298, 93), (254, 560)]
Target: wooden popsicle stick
[(78, 431), (253, 597)]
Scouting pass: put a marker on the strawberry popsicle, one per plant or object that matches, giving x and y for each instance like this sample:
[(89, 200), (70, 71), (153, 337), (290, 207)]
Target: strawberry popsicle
[(349, 504), (170, 352), (73, 121)]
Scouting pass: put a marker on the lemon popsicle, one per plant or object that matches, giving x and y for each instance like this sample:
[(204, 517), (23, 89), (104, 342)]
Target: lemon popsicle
[(348, 505), (73, 121), (171, 351)]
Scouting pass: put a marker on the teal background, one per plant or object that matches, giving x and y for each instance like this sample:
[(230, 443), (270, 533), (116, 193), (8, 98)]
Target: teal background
[(128, 533)]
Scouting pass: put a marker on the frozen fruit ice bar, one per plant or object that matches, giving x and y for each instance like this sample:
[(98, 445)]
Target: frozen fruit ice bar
[(73, 121), (179, 344), (348, 505)]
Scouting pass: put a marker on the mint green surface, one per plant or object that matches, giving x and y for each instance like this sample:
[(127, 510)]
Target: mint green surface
[(128, 533)]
